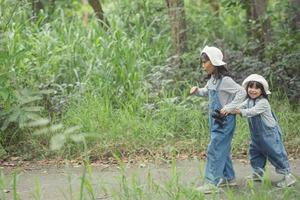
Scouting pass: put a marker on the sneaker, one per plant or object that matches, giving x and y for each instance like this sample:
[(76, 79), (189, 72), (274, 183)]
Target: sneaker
[(255, 177), (208, 188), (287, 181), (227, 183)]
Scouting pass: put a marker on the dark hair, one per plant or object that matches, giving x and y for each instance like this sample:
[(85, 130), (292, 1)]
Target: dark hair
[(219, 71), (256, 84)]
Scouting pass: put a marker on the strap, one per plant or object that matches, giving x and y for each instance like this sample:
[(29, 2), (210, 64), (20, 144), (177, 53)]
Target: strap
[(219, 83)]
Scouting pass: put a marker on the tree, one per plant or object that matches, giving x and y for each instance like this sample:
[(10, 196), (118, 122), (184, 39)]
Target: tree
[(258, 22), (51, 6), (97, 7), (215, 6), (294, 13), (178, 26), (85, 15), (37, 5)]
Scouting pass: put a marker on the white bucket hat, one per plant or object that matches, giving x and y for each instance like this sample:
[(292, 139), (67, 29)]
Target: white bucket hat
[(215, 55), (257, 78)]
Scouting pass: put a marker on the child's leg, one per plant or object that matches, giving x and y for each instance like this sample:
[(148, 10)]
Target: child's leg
[(257, 159), (276, 154), (218, 157), (274, 150), (228, 170), (278, 157)]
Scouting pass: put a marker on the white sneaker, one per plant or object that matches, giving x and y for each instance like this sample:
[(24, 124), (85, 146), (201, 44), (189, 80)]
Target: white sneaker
[(227, 183), (208, 188), (287, 181), (255, 177)]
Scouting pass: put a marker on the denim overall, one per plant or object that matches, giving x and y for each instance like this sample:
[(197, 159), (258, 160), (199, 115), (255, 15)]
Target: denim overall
[(219, 164), (266, 143)]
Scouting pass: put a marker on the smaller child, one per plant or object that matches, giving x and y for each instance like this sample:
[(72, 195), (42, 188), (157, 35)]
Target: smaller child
[(266, 142)]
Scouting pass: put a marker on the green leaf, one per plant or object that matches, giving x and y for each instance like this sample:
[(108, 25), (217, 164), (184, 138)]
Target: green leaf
[(41, 131), (77, 138), (3, 56), (57, 141), (55, 127), (39, 122), (4, 94), (13, 117), (50, 91), (33, 116), (29, 99), (22, 121), (33, 109), (71, 130), (5, 125)]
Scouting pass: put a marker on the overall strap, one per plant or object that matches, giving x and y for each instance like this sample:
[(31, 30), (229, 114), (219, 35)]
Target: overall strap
[(248, 102), (273, 114), (219, 83)]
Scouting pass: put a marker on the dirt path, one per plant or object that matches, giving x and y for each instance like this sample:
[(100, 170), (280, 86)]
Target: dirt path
[(59, 183)]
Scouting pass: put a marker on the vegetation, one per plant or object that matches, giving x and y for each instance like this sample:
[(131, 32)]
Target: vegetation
[(121, 86)]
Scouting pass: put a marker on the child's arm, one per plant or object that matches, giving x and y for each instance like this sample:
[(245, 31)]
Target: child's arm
[(241, 106), (199, 91), (260, 107), (232, 87)]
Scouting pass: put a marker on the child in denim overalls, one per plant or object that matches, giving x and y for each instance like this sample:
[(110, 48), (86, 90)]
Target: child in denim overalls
[(224, 95), (266, 142)]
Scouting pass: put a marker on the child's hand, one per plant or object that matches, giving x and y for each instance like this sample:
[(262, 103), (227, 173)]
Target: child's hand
[(236, 111), (224, 112), (193, 90)]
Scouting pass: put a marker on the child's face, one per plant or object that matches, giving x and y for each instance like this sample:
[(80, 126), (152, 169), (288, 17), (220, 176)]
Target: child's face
[(208, 66), (254, 91)]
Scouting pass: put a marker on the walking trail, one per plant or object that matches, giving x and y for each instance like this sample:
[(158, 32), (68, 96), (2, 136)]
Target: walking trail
[(57, 183)]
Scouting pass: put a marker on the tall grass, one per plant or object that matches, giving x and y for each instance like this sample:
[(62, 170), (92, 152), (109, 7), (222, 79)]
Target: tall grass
[(100, 79)]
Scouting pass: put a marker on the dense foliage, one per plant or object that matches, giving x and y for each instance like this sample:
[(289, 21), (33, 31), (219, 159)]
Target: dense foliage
[(116, 89)]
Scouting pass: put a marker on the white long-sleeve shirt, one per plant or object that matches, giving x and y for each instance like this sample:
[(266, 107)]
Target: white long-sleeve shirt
[(231, 94), (262, 107)]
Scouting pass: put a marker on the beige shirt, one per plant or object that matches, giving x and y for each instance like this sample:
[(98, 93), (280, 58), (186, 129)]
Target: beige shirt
[(262, 107), (231, 94)]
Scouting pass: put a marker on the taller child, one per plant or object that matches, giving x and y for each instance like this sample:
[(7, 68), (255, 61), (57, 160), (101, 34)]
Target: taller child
[(224, 95)]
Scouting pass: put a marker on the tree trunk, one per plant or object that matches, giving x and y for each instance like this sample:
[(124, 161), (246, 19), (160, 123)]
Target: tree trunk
[(85, 14), (96, 5), (37, 5), (215, 6), (295, 15), (178, 26), (51, 7), (258, 25)]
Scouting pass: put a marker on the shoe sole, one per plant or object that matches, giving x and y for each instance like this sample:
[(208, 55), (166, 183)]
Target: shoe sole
[(228, 185), (288, 185), (208, 191), (254, 179), (211, 192)]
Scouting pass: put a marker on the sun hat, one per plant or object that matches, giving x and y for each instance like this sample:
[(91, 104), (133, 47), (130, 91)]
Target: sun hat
[(215, 55), (257, 78)]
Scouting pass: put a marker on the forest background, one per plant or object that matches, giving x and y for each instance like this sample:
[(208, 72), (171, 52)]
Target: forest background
[(112, 77)]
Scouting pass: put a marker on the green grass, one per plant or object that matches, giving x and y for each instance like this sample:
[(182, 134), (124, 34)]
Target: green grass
[(169, 126), (117, 86), (132, 130), (116, 91)]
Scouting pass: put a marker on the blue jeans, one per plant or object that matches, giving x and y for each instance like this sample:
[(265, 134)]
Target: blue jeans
[(219, 164), (266, 144)]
